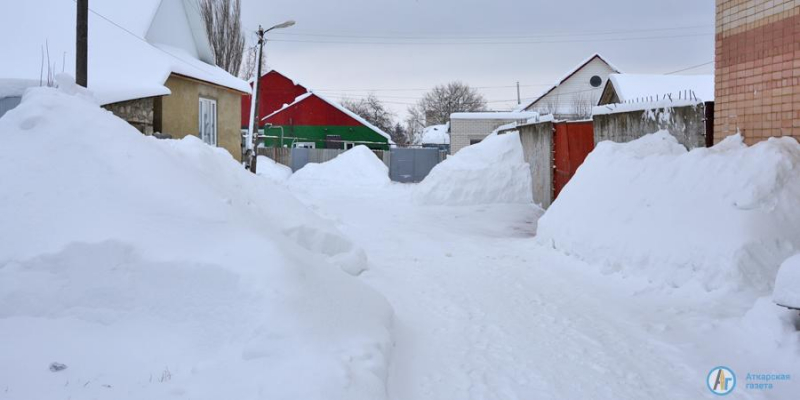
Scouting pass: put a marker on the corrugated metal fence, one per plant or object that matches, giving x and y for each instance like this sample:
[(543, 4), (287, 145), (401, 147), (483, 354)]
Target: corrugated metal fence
[(405, 164)]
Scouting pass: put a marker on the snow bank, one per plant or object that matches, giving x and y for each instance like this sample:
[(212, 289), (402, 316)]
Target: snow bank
[(787, 284), (357, 167), (492, 171), (161, 268), (724, 217), (274, 172)]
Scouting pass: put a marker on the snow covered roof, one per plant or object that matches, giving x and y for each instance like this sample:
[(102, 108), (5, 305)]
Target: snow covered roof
[(630, 87), (436, 134), (511, 115), (567, 76), (338, 107), (134, 45)]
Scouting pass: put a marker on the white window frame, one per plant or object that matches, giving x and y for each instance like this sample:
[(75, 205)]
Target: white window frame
[(351, 144), (207, 128), (304, 145)]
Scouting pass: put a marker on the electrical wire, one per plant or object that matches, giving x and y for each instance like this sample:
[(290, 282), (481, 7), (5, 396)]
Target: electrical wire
[(488, 37), (623, 39)]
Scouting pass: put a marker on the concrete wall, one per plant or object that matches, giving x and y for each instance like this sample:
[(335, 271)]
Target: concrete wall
[(138, 112), (757, 69), (179, 112), (537, 148), (462, 131), (687, 124)]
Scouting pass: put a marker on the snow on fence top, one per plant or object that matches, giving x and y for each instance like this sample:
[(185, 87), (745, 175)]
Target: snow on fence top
[(649, 105), (639, 87), (134, 46)]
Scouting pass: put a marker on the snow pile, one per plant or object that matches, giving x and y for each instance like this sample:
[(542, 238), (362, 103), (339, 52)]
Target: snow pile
[(274, 172), (787, 284), (155, 269), (725, 216), (357, 167), (492, 171)]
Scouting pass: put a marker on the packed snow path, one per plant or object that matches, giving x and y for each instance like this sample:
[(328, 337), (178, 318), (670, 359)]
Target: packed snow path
[(483, 313)]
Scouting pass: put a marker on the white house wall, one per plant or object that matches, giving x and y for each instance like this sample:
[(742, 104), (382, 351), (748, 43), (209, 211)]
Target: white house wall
[(562, 99)]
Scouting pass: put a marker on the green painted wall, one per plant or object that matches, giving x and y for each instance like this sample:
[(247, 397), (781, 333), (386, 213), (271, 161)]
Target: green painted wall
[(317, 134)]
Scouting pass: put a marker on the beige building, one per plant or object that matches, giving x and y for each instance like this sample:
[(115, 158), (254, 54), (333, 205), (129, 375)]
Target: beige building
[(470, 128), (757, 69), (151, 65)]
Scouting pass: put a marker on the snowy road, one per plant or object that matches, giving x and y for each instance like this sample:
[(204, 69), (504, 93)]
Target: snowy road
[(483, 313)]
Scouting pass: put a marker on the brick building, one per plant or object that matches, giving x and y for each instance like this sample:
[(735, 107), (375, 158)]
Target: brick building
[(472, 127), (757, 69)]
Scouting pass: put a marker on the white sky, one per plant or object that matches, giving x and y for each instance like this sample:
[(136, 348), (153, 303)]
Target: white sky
[(347, 47)]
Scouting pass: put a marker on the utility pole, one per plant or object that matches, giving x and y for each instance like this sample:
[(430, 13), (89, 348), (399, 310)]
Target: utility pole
[(519, 100), (82, 43), (251, 143), (252, 131)]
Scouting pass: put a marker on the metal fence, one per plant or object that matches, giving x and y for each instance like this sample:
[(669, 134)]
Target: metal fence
[(405, 164)]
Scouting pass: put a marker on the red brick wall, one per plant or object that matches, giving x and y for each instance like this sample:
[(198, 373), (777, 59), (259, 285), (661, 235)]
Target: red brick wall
[(757, 69)]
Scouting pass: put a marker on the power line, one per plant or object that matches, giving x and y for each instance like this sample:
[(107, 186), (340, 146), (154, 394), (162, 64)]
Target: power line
[(688, 68), (427, 89), (488, 37), (490, 43)]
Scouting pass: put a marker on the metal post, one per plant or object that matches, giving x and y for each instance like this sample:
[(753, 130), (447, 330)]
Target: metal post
[(82, 43)]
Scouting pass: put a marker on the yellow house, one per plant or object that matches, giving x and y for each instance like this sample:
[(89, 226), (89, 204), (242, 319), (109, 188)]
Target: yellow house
[(150, 63)]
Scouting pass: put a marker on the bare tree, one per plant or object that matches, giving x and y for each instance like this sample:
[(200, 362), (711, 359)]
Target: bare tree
[(250, 62), (415, 125), (437, 105), (223, 23), (373, 110), (582, 104)]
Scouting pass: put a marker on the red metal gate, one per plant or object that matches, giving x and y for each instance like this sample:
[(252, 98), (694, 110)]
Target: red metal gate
[(572, 142)]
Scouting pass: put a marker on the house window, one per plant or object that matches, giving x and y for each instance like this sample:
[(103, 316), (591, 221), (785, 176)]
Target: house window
[(349, 145), (208, 121), (304, 145), (474, 141), (596, 81)]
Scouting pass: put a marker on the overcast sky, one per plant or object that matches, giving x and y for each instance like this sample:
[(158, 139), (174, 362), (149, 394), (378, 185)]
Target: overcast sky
[(399, 48)]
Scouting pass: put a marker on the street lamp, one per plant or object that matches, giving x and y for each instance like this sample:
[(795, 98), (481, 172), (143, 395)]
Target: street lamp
[(250, 145)]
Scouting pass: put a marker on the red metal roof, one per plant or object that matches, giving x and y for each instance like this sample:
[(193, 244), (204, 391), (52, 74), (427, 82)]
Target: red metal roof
[(275, 90)]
